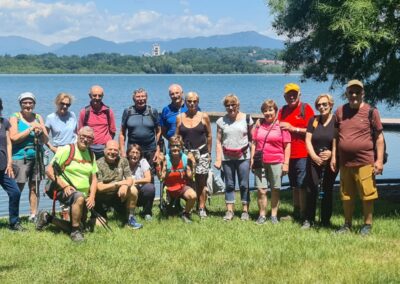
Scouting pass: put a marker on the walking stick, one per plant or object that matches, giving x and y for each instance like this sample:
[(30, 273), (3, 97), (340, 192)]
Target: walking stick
[(39, 168), (321, 192)]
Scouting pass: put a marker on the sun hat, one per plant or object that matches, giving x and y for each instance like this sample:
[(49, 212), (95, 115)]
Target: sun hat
[(27, 95), (355, 83), (291, 87)]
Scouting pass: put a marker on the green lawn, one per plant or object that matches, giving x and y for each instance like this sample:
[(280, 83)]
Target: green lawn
[(208, 251)]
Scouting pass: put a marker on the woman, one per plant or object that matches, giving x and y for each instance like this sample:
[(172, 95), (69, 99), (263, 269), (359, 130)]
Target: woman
[(28, 134), (7, 181), (142, 179), (274, 144), (195, 129), (61, 124), (176, 171), (320, 178), (233, 153)]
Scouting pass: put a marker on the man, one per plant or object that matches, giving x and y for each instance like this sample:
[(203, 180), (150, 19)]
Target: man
[(170, 112), (115, 185), (76, 186), (294, 117), (140, 125), (100, 118), (354, 144)]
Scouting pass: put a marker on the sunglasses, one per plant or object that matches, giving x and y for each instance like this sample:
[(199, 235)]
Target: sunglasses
[(192, 101), (322, 104), (64, 104)]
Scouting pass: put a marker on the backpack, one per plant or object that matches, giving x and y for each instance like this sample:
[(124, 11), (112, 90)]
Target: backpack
[(149, 111), (87, 113), (373, 134)]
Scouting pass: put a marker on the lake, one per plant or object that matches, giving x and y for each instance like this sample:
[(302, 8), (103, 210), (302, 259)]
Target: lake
[(252, 90)]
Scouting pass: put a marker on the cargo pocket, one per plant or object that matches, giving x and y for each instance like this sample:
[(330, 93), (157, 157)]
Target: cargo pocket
[(368, 185)]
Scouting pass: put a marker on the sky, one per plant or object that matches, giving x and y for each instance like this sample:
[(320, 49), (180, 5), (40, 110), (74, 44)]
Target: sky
[(51, 22)]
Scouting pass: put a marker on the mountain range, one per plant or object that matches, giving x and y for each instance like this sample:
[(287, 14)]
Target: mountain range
[(14, 45)]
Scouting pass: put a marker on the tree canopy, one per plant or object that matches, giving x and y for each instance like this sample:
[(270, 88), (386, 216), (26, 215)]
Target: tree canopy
[(348, 39)]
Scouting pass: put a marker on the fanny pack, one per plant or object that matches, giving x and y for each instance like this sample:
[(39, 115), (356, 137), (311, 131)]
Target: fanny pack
[(234, 153)]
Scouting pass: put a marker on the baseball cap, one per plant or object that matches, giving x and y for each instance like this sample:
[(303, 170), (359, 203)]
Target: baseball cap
[(291, 87), (27, 95), (355, 83)]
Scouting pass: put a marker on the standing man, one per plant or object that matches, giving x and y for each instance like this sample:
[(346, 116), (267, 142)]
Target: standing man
[(115, 185), (100, 118), (359, 129), (142, 123), (294, 117)]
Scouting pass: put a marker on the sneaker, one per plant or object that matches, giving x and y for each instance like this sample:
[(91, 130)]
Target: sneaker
[(186, 217), (261, 220), (306, 225), (17, 227), (274, 220), (202, 213), (77, 236), (32, 218), (245, 216), (133, 223), (42, 220), (346, 228), (228, 216), (365, 229), (148, 217)]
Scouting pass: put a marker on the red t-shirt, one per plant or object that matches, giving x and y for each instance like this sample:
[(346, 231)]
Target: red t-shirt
[(355, 141), (293, 116)]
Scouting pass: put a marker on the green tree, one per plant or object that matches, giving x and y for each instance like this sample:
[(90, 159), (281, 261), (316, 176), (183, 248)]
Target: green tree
[(343, 38)]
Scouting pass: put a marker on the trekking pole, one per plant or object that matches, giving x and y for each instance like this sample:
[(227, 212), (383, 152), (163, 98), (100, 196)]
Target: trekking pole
[(321, 192), (39, 168)]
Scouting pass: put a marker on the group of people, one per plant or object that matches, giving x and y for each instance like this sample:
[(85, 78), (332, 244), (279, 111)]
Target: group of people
[(91, 172)]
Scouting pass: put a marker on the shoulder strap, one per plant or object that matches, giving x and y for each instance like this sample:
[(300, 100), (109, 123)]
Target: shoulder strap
[(87, 113), (131, 111), (315, 122), (371, 125), (302, 110), (70, 155), (152, 113)]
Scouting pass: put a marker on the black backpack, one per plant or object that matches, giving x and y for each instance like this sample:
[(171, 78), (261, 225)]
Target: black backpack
[(149, 111)]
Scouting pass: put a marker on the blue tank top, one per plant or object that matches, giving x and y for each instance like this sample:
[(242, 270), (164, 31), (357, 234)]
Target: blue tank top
[(26, 148)]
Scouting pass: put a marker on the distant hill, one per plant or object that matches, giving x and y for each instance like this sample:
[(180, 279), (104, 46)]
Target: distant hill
[(12, 45)]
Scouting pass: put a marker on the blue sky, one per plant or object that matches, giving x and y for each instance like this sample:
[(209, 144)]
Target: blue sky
[(52, 22)]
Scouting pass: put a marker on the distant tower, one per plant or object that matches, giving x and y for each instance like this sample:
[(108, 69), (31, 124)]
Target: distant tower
[(156, 50)]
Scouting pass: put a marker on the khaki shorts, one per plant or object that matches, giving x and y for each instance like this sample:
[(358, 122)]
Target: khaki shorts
[(274, 176), (361, 179)]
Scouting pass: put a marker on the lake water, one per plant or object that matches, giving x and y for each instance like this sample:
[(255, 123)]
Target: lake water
[(252, 90)]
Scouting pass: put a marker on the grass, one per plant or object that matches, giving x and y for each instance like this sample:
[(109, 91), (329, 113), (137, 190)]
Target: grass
[(208, 251)]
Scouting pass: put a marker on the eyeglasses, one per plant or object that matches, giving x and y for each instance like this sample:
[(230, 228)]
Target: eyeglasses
[(322, 104), (174, 145), (64, 104), (192, 101), (27, 103), (86, 137), (231, 105)]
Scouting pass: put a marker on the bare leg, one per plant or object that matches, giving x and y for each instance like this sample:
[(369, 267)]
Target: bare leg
[(262, 201), (131, 200), (190, 197), (275, 197), (33, 197), (77, 211), (368, 210), (201, 190)]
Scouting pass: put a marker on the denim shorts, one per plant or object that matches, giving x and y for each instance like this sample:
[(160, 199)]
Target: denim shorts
[(297, 172)]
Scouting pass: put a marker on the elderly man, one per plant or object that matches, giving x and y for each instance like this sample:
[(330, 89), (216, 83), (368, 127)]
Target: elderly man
[(359, 128), (100, 118), (114, 187), (294, 117), (140, 123), (75, 186)]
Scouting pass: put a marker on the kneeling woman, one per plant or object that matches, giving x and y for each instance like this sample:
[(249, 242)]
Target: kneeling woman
[(176, 172), (141, 174)]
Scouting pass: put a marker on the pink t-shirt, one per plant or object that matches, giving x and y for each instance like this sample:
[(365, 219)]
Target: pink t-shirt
[(274, 147)]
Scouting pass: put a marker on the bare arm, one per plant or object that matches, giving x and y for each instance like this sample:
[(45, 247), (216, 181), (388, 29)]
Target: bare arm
[(121, 141), (90, 201), (218, 149), (146, 179), (311, 151), (207, 123), (9, 169), (333, 162), (285, 165), (378, 165)]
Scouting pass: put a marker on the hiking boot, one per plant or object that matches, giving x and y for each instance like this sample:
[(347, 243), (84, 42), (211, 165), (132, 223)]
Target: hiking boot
[(133, 223), (202, 213), (365, 230), (261, 220), (42, 220), (306, 225), (245, 216), (77, 236), (228, 216), (186, 217), (274, 220), (148, 217), (17, 227), (346, 228)]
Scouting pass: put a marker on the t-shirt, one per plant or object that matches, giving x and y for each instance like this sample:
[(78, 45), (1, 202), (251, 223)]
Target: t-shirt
[(355, 141), (274, 147), (81, 168), (141, 127), (4, 127), (234, 136), (142, 167), (62, 128), (168, 118), (293, 116), (103, 130), (113, 172), (322, 136)]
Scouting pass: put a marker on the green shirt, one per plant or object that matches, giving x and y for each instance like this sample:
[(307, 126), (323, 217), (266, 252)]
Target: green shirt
[(109, 172), (81, 168)]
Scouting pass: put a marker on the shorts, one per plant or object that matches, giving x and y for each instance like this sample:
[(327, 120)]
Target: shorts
[(297, 172), (104, 201), (203, 164), (25, 171), (274, 176), (178, 193), (361, 179), (68, 200)]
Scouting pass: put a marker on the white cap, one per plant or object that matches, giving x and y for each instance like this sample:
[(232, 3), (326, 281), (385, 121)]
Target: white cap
[(27, 95)]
